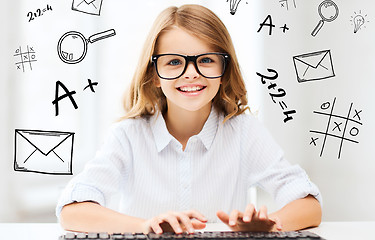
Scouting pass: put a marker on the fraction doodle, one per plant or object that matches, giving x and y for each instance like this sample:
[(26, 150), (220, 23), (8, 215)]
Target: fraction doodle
[(340, 127), (26, 58)]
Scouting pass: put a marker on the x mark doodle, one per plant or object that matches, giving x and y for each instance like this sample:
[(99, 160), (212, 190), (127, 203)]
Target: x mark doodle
[(337, 126), (313, 141), (357, 114)]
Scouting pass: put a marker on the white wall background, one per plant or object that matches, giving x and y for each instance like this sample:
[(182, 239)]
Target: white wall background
[(25, 97)]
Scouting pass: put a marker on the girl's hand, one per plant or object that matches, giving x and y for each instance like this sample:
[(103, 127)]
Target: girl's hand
[(177, 222), (250, 220)]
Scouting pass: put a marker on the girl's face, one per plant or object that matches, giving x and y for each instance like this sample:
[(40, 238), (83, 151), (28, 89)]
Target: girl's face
[(191, 91)]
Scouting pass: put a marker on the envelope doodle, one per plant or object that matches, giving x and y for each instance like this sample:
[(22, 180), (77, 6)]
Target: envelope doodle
[(92, 7), (314, 66), (48, 152)]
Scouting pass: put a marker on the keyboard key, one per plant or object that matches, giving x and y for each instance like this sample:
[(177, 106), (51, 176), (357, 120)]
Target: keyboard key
[(70, 235), (103, 235), (92, 235), (81, 235)]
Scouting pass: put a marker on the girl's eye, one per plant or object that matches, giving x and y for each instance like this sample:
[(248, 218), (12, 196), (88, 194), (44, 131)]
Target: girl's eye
[(174, 62), (206, 60)]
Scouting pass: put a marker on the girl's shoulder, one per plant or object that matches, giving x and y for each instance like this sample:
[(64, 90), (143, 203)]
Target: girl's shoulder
[(130, 126), (243, 120)]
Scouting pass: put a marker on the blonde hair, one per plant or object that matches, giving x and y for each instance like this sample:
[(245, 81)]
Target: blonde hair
[(143, 97)]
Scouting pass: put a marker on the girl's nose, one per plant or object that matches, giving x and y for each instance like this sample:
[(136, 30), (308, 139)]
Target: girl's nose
[(191, 72)]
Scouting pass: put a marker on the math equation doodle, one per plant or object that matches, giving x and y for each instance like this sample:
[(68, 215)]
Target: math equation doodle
[(277, 97), (24, 58), (344, 128), (38, 13)]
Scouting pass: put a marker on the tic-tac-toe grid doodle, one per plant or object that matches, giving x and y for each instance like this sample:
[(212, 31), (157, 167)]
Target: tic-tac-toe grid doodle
[(344, 128), (25, 58)]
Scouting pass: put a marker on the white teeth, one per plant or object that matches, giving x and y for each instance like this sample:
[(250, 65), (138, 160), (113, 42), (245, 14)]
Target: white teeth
[(191, 89)]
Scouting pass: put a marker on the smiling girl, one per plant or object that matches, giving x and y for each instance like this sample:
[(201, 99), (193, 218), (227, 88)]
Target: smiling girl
[(186, 153)]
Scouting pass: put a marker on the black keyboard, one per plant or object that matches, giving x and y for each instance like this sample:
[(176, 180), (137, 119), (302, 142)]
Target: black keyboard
[(296, 235)]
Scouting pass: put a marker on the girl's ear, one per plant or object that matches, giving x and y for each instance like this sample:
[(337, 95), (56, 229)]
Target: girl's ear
[(157, 82)]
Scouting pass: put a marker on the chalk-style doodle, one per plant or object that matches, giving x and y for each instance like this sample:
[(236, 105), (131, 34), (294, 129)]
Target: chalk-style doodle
[(38, 13), (328, 12), (284, 28), (25, 58), (314, 66), (72, 46), (48, 152), (92, 7), (278, 95), (340, 127), (268, 23), (233, 5), (61, 97), (91, 85), (287, 4), (69, 94), (359, 20)]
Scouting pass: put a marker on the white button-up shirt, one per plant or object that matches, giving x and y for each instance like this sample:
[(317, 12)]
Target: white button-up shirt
[(143, 162)]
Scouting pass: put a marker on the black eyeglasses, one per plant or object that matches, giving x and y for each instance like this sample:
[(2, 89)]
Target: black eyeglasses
[(172, 66)]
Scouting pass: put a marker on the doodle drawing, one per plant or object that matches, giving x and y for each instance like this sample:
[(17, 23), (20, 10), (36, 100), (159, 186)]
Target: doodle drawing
[(341, 127), (328, 12), (72, 46), (25, 58), (92, 7), (233, 5), (359, 20), (314, 66), (48, 152), (38, 13), (276, 97), (288, 3)]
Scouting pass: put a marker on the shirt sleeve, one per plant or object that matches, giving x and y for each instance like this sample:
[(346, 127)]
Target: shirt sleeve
[(102, 175), (268, 169)]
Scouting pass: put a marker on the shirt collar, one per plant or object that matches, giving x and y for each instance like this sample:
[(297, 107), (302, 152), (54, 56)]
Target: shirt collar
[(208, 132), (159, 129), (163, 137)]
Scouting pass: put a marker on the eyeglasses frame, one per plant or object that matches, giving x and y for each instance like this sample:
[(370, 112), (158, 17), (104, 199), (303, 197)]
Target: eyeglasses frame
[(190, 58)]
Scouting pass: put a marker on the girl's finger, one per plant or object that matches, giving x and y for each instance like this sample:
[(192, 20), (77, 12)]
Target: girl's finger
[(233, 217), (173, 222), (278, 224), (186, 221), (155, 226), (263, 213), (196, 214), (249, 212), (223, 216), (198, 224)]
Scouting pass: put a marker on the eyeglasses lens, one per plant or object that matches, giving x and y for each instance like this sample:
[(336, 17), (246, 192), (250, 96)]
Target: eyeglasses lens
[(209, 65)]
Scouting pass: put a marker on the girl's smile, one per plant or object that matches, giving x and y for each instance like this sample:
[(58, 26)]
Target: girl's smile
[(191, 89)]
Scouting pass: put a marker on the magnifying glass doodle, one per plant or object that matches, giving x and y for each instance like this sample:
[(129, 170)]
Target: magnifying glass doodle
[(72, 46), (328, 12)]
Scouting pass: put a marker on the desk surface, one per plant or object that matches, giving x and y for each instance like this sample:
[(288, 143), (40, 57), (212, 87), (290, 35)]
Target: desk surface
[(327, 230)]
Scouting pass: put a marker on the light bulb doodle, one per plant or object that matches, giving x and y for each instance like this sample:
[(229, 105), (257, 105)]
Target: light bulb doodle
[(359, 20), (233, 6)]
